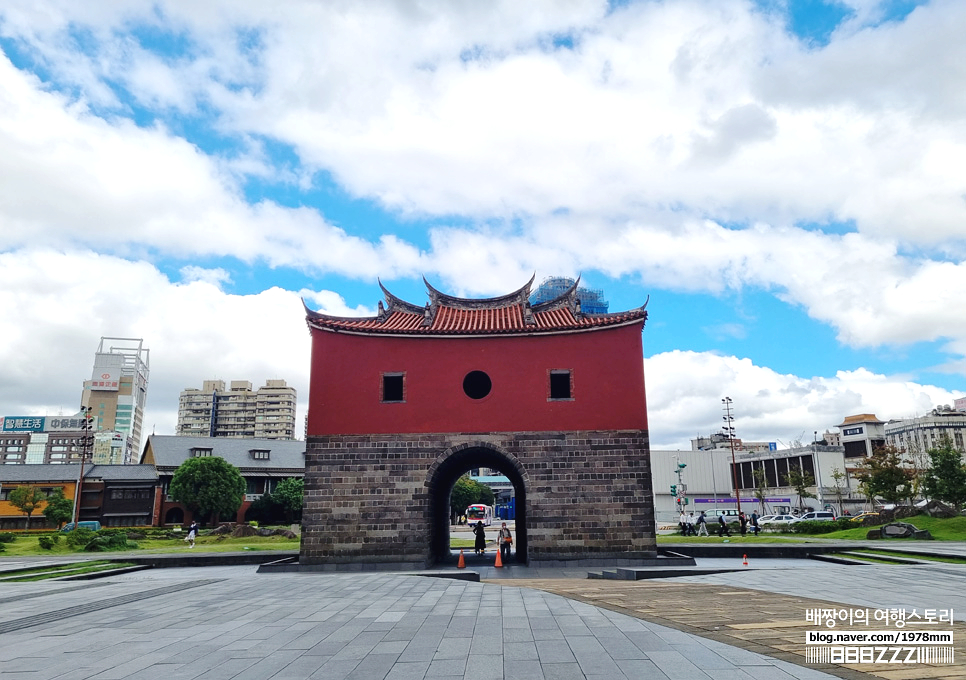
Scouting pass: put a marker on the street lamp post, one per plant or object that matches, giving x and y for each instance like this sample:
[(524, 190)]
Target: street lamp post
[(818, 470), (730, 432)]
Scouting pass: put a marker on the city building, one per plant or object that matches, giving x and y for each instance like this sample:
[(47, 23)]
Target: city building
[(861, 435), (114, 495), (719, 440), (263, 463), (213, 411), (709, 479), (55, 439), (116, 395), (928, 431)]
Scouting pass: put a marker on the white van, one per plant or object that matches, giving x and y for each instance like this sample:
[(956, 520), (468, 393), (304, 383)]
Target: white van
[(730, 515), (818, 516)]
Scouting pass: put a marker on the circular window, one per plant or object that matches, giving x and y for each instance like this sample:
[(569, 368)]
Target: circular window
[(477, 384)]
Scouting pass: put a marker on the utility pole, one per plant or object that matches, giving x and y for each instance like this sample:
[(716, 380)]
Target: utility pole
[(86, 443), (729, 432)]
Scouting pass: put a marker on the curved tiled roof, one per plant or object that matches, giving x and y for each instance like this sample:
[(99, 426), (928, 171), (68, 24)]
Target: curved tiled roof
[(509, 314)]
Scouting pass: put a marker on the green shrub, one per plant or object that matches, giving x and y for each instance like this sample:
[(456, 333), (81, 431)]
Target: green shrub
[(113, 541), (8, 537), (2, 547), (46, 542), (80, 537), (815, 527)]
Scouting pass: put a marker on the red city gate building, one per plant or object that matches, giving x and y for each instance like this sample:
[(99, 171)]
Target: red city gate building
[(403, 403)]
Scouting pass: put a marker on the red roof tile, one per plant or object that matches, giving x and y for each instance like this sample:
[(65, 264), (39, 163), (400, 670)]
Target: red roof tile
[(506, 315)]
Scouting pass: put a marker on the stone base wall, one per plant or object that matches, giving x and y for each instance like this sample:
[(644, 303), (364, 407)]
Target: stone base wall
[(369, 498)]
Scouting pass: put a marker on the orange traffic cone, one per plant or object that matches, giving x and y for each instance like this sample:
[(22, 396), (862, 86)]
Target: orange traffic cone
[(462, 563), (499, 562), (744, 560)]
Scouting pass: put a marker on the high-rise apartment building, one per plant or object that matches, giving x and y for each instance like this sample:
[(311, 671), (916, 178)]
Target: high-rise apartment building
[(238, 411), (116, 395), (928, 431)]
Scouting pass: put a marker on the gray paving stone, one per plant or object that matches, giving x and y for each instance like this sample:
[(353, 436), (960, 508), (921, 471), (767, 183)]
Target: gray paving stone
[(484, 667), (407, 671), (352, 626), (562, 671), (519, 651), (447, 668), (522, 670)]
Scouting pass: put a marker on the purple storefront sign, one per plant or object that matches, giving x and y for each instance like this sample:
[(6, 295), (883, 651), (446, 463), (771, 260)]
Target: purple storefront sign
[(743, 500)]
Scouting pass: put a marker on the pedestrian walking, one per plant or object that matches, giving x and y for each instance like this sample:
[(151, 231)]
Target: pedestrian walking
[(192, 534), (702, 523), (691, 530), (743, 523), (723, 529), (506, 542), (683, 523), (754, 523)]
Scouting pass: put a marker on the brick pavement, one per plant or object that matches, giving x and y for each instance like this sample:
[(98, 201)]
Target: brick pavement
[(755, 620)]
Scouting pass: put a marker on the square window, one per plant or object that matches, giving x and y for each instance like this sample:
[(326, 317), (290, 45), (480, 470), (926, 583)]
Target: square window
[(560, 384), (393, 387)]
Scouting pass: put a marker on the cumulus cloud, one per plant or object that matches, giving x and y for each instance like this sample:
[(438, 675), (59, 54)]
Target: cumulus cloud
[(685, 390)]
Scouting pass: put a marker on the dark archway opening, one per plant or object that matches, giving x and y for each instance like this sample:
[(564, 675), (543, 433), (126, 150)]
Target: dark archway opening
[(174, 516), (442, 483)]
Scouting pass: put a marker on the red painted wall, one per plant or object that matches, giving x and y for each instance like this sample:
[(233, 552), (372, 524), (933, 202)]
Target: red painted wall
[(607, 368)]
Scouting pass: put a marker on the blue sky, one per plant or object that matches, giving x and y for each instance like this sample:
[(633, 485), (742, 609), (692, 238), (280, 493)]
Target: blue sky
[(783, 179)]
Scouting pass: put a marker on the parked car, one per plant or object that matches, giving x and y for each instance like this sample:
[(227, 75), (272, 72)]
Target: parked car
[(818, 516), (778, 520), (865, 515), (92, 525)]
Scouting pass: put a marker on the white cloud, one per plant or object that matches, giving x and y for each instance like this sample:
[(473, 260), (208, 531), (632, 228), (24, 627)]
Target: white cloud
[(684, 392)]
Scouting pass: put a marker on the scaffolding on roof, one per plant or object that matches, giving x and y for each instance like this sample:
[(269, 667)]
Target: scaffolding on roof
[(591, 299)]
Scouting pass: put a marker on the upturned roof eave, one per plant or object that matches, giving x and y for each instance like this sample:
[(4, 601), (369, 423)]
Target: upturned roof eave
[(514, 332)]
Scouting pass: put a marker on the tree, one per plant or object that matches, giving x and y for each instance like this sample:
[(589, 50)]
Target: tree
[(208, 486), (761, 484), (289, 495), (838, 476), (468, 492), (945, 479), (884, 475), (59, 509), (800, 481), (26, 499)]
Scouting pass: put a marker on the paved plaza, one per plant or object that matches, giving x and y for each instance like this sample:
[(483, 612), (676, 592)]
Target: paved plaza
[(231, 622)]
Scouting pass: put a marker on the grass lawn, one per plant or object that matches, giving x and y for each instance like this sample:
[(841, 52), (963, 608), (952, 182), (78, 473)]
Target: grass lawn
[(735, 537), (56, 571), (951, 529), (27, 545)]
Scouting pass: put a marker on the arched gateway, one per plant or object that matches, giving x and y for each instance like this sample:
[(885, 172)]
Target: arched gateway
[(402, 403)]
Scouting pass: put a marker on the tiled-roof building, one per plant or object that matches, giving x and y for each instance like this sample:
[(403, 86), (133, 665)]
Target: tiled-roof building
[(404, 402), (114, 495), (262, 462)]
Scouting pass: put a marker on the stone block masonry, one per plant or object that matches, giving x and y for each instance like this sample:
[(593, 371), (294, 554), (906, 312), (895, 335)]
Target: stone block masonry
[(377, 501)]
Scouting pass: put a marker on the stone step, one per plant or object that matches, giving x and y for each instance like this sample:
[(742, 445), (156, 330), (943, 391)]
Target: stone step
[(883, 558)]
